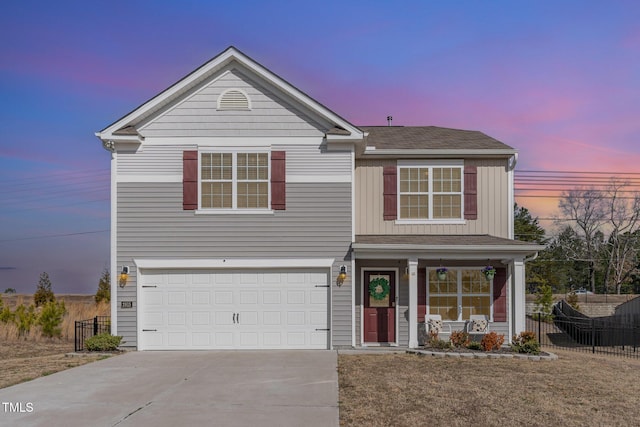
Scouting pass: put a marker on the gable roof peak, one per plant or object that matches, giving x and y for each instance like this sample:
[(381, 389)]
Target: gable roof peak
[(208, 69)]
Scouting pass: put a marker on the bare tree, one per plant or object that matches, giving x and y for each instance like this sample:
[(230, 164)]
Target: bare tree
[(586, 208), (623, 221)]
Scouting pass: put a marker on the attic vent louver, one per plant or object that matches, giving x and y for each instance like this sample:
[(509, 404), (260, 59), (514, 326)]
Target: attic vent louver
[(233, 99)]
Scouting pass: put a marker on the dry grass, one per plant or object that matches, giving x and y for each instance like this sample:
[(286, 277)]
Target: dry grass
[(25, 360), (79, 307), (579, 389), (33, 355)]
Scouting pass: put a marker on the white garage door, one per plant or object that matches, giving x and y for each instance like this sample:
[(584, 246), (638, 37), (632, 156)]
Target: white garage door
[(233, 310)]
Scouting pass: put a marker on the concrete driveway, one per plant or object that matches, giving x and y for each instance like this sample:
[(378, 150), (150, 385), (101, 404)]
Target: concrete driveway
[(206, 388)]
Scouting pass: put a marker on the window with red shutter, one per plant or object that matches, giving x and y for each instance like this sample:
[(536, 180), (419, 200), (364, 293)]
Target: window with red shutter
[(470, 192), (278, 180), (190, 180), (390, 176), (233, 181), (500, 295)]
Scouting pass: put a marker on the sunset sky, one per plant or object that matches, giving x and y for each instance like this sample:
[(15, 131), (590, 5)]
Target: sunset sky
[(558, 80)]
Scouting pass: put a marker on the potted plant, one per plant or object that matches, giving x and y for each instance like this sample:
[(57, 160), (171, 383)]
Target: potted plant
[(489, 272), (442, 273)]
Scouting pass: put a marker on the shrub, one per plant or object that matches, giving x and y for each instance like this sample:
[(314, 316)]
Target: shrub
[(525, 342), (51, 318), (25, 318), (6, 316), (572, 300), (459, 339), (544, 302), (103, 342), (492, 341), (436, 342), (474, 345)]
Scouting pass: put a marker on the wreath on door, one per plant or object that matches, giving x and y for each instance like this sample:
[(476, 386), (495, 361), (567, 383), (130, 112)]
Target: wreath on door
[(379, 288)]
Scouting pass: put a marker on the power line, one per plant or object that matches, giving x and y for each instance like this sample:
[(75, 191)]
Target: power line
[(53, 235)]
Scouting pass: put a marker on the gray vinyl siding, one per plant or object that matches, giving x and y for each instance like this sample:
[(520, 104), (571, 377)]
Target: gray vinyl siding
[(315, 224), (270, 115), (302, 160)]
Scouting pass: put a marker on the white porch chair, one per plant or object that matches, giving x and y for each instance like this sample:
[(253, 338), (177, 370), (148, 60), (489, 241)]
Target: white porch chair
[(477, 324), (434, 322)]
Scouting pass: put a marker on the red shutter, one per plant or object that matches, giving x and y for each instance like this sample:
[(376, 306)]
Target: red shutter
[(278, 181), (190, 180), (390, 175), (422, 294), (470, 192), (500, 295)]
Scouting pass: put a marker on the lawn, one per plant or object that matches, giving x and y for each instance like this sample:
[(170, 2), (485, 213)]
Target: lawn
[(25, 360), (578, 389), (31, 355)]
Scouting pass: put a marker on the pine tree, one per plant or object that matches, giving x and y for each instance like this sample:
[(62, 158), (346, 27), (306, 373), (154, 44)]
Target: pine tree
[(104, 287), (43, 293)]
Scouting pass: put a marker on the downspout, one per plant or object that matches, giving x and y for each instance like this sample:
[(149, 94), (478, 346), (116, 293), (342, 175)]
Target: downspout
[(110, 146)]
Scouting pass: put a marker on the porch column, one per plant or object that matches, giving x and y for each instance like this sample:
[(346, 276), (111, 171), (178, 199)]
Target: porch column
[(413, 303), (519, 312)]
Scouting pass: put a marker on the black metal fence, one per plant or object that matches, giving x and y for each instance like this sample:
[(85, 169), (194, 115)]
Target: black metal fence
[(571, 330), (90, 327)]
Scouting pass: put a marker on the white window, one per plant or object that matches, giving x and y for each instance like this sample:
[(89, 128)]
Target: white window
[(234, 180), (463, 292), (430, 191)]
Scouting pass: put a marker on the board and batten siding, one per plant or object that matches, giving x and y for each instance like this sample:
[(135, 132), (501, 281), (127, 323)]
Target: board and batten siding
[(493, 202), (198, 115)]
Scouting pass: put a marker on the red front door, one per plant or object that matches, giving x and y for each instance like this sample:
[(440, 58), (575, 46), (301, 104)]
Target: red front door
[(379, 307)]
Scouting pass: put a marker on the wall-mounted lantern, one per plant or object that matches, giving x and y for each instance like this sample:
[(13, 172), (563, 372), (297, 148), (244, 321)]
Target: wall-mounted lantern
[(342, 275), (124, 275)]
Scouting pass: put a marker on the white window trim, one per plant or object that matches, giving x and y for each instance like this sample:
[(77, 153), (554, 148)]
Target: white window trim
[(234, 182), (459, 293), (430, 164)]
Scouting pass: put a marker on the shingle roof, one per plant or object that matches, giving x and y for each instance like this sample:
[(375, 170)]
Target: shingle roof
[(428, 137)]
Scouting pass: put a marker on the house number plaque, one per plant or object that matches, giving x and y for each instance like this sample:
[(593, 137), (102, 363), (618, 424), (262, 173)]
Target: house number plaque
[(126, 304)]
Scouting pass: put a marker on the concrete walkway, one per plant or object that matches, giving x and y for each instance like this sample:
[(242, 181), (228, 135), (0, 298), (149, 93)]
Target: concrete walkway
[(206, 388)]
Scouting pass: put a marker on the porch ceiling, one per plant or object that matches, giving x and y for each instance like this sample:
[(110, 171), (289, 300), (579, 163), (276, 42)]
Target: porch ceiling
[(479, 246)]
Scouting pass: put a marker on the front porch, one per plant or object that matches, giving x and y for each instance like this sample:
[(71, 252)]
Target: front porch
[(396, 284)]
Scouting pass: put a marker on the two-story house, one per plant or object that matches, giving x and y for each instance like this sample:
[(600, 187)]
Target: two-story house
[(245, 214)]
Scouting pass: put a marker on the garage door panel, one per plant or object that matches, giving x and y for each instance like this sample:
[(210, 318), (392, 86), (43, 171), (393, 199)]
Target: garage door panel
[(177, 279), (272, 318), (224, 318), (201, 339), (249, 297), (201, 318), (153, 319), (201, 297), (247, 319), (154, 298), (295, 297), (318, 296), (234, 309), (177, 318), (271, 297)]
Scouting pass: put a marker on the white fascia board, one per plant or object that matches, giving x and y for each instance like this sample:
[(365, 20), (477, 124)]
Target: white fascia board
[(239, 263), (170, 92), (441, 152), (211, 67)]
